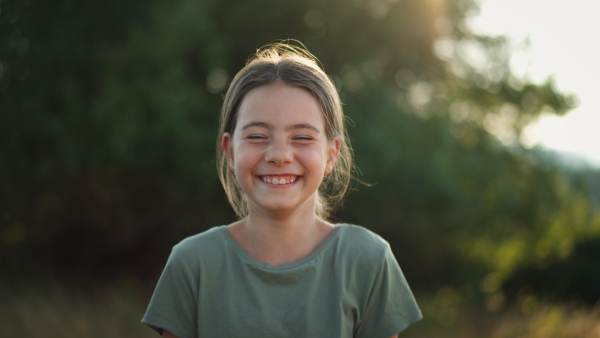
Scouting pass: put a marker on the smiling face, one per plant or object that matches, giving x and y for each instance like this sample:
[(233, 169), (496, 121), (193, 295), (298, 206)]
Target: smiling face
[(279, 151)]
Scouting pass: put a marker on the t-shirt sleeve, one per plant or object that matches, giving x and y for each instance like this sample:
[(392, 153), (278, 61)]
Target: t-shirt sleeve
[(173, 304), (391, 306)]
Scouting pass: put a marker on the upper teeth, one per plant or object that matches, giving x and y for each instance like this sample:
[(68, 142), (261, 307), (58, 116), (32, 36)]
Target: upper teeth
[(281, 180)]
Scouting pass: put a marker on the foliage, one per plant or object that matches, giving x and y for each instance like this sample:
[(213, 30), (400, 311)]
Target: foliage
[(108, 120), (563, 279)]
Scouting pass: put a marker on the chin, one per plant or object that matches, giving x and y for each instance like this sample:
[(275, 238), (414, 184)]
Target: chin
[(278, 208)]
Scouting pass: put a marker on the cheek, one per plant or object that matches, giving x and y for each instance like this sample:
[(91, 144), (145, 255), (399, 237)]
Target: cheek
[(316, 160), (245, 159)]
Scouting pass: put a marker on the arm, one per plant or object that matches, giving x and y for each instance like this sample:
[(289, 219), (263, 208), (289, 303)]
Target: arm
[(390, 306), (173, 303), (169, 334)]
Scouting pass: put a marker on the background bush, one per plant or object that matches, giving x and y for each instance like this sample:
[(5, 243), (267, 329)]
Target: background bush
[(108, 114)]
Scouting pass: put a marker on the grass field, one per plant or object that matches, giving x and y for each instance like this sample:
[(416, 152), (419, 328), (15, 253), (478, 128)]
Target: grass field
[(526, 318), (59, 312)]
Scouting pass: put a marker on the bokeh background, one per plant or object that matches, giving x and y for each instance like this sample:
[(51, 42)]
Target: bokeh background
[(108, 118)]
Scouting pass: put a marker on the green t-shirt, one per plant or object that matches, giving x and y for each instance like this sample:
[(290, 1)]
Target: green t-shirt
[(350, 286)]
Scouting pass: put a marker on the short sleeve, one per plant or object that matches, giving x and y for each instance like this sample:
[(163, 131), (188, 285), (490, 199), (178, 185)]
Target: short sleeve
[(391, 306), (173, 305)]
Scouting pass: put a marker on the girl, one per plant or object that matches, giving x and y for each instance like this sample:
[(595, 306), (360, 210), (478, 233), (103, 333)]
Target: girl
[(282, 270)]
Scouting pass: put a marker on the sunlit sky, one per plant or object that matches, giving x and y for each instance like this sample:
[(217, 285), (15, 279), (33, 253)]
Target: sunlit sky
[(564, 42)]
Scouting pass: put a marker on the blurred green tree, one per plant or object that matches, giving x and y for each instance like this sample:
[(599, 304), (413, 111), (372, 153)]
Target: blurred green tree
[(109, 115)]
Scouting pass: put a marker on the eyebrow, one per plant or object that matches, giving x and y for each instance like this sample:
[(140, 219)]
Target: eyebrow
[(288, 128), (256, 124)]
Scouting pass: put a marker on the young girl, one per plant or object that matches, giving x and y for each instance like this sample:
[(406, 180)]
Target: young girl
[(282, 270)]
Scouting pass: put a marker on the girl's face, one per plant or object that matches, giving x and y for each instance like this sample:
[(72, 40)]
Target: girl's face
[(279, 151)]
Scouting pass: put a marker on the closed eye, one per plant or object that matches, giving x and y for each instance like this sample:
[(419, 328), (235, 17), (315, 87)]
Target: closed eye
[(303, 138), (255, 137)]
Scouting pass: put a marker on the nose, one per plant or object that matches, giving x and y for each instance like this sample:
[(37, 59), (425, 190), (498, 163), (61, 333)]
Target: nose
[(279, 153)]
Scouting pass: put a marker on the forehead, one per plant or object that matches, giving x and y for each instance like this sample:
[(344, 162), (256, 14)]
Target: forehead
[(280, 103)]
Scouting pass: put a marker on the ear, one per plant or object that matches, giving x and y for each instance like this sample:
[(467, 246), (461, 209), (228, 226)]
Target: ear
[(332, 155), (227, 144)]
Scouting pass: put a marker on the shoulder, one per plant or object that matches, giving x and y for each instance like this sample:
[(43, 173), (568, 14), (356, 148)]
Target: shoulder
[(358, 237), (361, 245), (205, 244)]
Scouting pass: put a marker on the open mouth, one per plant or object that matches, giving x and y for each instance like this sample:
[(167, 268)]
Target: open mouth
[(279, 179)]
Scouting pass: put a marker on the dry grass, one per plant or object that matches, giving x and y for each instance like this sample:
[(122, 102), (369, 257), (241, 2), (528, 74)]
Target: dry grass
[(530, 319), (550, 321), (59, 312)]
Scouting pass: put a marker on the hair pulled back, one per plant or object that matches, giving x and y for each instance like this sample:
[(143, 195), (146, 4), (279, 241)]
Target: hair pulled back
[(292, 65)]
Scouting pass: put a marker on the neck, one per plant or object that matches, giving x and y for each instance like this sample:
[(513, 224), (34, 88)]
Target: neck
[(280, 239)]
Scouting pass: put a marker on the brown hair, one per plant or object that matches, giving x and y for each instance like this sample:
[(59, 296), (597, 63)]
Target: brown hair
[(292, 65)]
